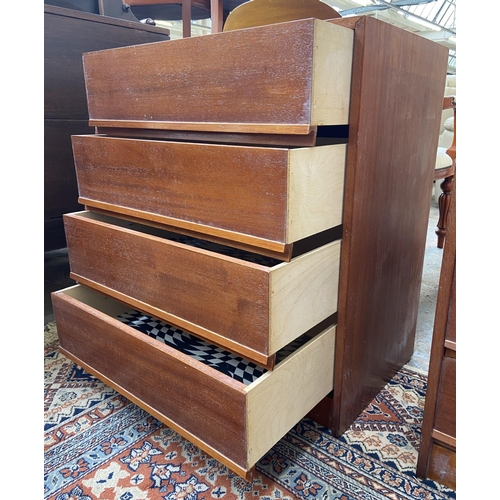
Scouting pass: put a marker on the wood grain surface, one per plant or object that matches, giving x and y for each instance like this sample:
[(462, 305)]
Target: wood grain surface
[(396, 98), (439, 425), (223, 82), (295, 386), (255, 195), (226, 300), (207, 404), (68, 34), (235, 423)]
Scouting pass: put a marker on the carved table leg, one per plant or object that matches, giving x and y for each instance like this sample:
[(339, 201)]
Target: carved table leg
[(444, 205)]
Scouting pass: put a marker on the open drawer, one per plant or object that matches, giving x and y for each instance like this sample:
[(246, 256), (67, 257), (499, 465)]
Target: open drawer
[(247, 303), (234, 422), (284, 78), (261, 197)]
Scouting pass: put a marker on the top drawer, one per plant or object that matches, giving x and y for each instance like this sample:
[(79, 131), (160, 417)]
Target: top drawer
[(281, 78)]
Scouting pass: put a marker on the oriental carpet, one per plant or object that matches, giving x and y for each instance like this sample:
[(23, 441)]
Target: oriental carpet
[(101, 446)]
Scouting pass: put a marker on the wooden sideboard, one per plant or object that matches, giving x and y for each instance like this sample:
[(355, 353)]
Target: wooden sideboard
[(67, 35), (437, 453), (168, 184)]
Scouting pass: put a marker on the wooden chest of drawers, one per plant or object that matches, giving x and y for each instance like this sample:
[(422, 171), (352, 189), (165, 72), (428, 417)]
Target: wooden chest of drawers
[(438, 444), (221, 201)]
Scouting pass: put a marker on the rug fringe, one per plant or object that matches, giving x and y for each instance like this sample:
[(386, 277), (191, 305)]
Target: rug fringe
[(50, 334)]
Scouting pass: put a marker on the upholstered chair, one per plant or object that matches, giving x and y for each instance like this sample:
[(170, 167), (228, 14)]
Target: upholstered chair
[(444, 171)]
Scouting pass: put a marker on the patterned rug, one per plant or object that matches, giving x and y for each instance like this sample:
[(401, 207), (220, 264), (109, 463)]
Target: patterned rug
[(99, 445)]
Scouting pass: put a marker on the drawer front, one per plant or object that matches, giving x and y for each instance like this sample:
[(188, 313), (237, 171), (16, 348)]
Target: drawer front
[(240, 81), (235, 423), (249, 308), (446, 405), (265, 197), (443, 466)]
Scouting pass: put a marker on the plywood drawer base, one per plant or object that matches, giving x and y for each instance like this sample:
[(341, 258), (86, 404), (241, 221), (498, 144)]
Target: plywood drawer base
[(252, 308), (235, 423)]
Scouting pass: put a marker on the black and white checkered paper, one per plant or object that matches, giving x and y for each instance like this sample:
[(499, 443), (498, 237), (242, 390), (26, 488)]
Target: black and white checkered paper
[(224, 361)]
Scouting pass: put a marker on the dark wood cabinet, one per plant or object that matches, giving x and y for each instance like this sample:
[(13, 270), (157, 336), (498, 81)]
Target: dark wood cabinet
[(67, 35), (437, 454)]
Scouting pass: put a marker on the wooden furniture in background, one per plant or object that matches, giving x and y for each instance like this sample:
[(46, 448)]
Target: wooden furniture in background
[(446, 171), (67, 35), (437, 453), (170, 10), (185, 11), (262, 12), (300, 97)]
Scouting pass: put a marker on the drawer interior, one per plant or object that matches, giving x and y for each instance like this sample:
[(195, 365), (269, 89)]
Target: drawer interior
[(236, 367), (226, 362), (235, 422), (321, 135)]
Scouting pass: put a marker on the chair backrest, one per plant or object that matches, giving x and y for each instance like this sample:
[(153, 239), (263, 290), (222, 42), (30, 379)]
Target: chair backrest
[(263, 12), (450, 103), (450, 89)]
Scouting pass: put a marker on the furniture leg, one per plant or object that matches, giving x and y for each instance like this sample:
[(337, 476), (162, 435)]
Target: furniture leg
[(186, 18), (216, 13), (444, 206)]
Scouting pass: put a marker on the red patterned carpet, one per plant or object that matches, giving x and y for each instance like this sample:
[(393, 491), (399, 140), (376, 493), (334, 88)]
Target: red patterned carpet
[(99, 445)]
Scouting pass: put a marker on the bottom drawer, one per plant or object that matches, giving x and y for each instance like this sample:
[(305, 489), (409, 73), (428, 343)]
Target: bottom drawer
[(443, 466), (235, 422)]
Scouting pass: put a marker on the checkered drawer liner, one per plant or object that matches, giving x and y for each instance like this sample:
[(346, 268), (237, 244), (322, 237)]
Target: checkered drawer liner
[(224, 361)]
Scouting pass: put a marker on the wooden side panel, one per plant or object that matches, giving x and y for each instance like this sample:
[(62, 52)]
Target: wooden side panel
[(279, 399), (135, 364), (315, 190), (439, 415), (451, 326), (396, 99), (303, 293), (60, 187), (220, 82), (217, 297), (228, 189), (446, 405)]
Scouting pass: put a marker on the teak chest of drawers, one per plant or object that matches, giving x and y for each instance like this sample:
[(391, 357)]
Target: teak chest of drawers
[(261, 204)]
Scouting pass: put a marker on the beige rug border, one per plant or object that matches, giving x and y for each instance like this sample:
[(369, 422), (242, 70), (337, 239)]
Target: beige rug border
[(50, 334)]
